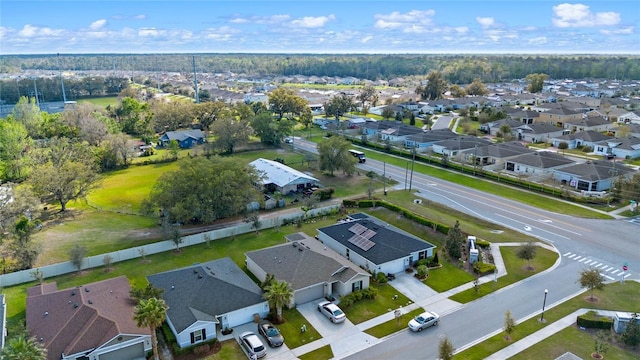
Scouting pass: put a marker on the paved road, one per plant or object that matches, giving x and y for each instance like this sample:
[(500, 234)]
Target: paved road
[(604, 244)]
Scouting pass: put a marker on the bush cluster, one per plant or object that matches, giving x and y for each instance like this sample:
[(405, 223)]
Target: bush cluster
[(482, 268), (404, 212), (324, 193), (364, 294), (592, 320), (380, 278)]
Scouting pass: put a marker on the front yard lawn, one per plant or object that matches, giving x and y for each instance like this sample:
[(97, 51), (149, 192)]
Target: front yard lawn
[(393, 326), (384, 302), (290, 329)]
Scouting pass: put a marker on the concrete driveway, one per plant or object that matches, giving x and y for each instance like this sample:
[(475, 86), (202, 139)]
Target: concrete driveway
[(344, 338), (411, 287), (279, 353)]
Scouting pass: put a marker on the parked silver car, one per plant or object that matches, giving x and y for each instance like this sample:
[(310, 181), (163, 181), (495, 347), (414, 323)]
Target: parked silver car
[(252, 344), (423, 321), (332, 312)]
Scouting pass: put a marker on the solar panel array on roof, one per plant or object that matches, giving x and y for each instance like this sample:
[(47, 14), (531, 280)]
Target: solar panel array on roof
[(361, 242), (358, 228)]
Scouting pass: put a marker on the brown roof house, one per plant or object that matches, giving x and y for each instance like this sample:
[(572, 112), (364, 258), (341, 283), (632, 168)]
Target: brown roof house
[(89, 322), (312, 269)]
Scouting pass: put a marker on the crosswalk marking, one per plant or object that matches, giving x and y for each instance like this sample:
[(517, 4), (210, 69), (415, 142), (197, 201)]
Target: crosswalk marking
[(588, 262), (615, 272), (594, 264), (578, 258), (572, 256), (583, 259), (607, 276), (566, 253)]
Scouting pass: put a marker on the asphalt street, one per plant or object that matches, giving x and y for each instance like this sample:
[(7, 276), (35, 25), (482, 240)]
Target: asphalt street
[(582, 243)]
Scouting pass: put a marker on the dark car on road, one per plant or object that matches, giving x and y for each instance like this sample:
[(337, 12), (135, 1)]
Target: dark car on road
[(270, 333)]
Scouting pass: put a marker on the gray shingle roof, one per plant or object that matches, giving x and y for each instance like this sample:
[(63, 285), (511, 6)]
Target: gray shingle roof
[(391, 243), (596, 170), (542, 160), (504, 150), (204, 291), (304, 263)]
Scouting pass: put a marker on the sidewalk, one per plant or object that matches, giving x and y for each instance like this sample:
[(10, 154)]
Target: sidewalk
[(416, 291)]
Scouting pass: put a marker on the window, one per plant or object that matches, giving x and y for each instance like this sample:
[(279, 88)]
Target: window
[(356, 286), (198, 335)]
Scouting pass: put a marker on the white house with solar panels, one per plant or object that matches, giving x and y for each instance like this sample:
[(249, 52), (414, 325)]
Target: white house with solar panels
[(280, 177), (375, 245)]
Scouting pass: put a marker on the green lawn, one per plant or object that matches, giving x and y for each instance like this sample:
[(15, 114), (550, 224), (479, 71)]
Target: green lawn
[(290, 329), (447, 277), (384, 302), (579, 342), (322, 353), (516, 271), (615, 296), (393, 326), (101, 101)]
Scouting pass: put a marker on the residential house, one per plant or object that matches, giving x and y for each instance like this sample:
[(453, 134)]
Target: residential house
[(623, 148), (88, 322), (424, 140), (611, 113), (282, 178), (456, 147), (393, 131), (540, 164), (356, 123), (581, 138), (494, 127), (208, 297), (374, 245), (591, 122), (629, 117), (559, 116), (525, 116), (538, 132), (186, 138), (593, 175), (312, 269), (494, 155)]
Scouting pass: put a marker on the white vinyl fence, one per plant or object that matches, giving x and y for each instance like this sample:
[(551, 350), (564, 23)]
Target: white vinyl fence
[(24, 276)]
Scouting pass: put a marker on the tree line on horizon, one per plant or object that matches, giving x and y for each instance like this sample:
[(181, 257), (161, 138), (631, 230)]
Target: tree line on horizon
[(457, 68)]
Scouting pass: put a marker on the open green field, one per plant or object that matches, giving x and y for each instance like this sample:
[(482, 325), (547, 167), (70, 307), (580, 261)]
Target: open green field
[(101, 101)]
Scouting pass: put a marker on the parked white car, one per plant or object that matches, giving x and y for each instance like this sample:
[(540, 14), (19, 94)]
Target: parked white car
[(423, 321), (332, 312), (252, 344)]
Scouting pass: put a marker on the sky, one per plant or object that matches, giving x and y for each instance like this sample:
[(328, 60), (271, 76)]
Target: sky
[(320, 26)]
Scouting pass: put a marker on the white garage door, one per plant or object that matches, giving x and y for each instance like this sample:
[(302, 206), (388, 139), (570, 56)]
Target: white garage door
[(306, 295)]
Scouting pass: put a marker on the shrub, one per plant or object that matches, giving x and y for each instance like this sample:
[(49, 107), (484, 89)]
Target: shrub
[(421, 262), (483, 268), (483, 244), (592, 320), (324, 193), (422, 271), (381, 278), (434, 260)]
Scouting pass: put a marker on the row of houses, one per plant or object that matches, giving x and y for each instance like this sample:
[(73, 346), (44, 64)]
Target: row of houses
[(95, 321)]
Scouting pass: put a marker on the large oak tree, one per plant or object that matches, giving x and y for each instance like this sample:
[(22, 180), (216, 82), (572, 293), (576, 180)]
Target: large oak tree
[(204, 189)]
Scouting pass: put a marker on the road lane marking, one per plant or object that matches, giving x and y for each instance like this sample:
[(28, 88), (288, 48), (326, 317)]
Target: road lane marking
[(578, 258), (588, 262), (540, 229), (572, 256), (583, 259), (566, 253)]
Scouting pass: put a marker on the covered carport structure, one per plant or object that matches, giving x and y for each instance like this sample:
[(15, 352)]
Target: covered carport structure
[(282, 178)]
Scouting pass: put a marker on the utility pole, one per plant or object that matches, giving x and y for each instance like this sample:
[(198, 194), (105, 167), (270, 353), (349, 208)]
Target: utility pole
[(64, 96), (413, 160), (384, 175), (195, 80)]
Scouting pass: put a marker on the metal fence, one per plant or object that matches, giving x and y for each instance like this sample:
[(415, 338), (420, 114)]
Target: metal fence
[(95, 261)]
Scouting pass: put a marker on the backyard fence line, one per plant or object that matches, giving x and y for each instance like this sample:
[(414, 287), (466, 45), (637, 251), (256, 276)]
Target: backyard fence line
[(47, 271)]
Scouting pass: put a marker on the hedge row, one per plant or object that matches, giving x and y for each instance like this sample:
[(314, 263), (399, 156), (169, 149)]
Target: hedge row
[(350, 299), (175, 348), (400, 210), (482, 268), (592, 320)]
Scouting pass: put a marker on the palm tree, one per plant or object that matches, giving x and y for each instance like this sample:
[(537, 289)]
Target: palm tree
[(278, 294), (22, 348), (151, 313)]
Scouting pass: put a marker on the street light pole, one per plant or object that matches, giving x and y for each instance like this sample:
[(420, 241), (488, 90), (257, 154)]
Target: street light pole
[(544, 302)]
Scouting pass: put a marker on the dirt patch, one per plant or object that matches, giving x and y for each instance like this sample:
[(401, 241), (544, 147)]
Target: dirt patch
[(528, 268), (591, 299)]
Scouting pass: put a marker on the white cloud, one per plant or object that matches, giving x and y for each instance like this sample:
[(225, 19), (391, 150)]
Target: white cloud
[(224, 33), (540, 40), (139, 17), (579, 16), (621, 31), (98, 24), (413, 20), (312, 22), (30, 31), (366, 39), (149, 32), (272, 19), (485, 22)]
